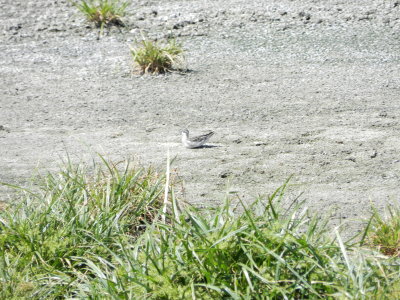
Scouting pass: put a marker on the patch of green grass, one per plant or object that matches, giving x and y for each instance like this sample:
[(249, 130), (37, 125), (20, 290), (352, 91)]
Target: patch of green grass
[(103, 236), (103, 12), (153, 57), (384, 234), (74, 215), (263, 253)]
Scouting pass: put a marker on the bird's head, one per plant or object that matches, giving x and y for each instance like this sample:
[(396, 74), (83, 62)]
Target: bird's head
[(185, 132)]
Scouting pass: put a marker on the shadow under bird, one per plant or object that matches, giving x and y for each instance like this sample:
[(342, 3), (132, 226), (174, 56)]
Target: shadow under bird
[(195, 142)]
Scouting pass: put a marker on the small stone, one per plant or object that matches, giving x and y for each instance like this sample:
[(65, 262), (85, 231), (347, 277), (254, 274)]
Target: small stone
[(253, 19), (374, 154), (183, 24), (15, 27), (3, 128), (304, 15), (225, 174), (116, 135)]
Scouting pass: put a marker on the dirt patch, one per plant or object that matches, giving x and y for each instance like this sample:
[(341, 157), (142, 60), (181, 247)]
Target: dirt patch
[(310, 88)]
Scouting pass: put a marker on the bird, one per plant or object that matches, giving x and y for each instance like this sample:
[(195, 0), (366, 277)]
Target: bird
[(195, 142)]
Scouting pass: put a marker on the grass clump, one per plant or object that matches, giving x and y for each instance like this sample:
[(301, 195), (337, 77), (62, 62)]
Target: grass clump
[(384, 234), (264, 252), (103, 12), (72, 217), (153, 57)]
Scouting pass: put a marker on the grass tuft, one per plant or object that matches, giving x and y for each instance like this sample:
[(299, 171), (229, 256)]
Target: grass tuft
[(103, 12), (153, 57), (384, 234)]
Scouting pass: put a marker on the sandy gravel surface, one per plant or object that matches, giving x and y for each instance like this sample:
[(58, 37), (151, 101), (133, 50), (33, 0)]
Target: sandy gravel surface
[(309, 88)]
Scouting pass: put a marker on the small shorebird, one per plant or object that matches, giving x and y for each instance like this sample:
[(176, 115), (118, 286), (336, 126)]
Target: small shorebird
[(195, 142)]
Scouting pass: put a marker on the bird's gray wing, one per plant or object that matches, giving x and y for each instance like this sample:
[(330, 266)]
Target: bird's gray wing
[(203, 137)]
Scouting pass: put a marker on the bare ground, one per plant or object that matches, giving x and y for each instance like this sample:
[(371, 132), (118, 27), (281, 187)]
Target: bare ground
[(309, 88)]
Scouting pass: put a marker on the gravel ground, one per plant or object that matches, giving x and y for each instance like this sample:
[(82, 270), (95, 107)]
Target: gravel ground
[(309, 88)]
